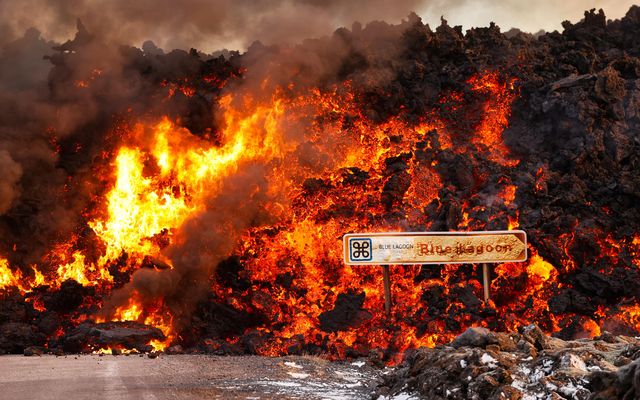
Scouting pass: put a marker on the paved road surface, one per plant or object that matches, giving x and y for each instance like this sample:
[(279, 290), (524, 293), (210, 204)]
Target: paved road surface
[(181, 377)]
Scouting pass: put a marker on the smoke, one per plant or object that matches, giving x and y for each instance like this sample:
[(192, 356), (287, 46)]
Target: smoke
[(50, 134), (10, 173), (204, 24), (214, 24)]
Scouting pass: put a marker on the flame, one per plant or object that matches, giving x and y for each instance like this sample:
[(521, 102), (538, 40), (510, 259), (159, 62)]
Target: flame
[(85, 83), (38, 277), (541, 270), (8, 278), (592, 328), (508, 194), (496, 116), (540, 184), (15, 279), (629, 314)]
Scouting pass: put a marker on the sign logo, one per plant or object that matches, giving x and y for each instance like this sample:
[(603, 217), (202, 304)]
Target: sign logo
[(360, 249)]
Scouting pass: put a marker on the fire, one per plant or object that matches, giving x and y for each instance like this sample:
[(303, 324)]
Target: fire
[(508, 194), (540, 184), (15, 279), (167, 177), (629, 314), (514, 222), (592, 328), (7, 277), (74, 270), (163, 175), (85, 83), (542, 270), (130, 313), (329, 170), (496, 115)]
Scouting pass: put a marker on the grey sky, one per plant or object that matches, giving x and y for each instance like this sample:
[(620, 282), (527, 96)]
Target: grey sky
[(526, 15)]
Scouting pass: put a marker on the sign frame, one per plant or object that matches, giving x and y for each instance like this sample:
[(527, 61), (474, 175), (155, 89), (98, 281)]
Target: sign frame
[(347, 250)]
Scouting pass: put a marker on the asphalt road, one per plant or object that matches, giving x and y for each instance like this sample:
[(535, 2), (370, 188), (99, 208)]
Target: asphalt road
[(182, 377)]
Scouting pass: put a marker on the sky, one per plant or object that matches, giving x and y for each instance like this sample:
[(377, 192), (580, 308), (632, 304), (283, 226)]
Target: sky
[(527, 15)]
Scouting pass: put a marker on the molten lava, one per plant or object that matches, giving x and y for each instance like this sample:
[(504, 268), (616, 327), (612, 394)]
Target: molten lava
[(330, 170)]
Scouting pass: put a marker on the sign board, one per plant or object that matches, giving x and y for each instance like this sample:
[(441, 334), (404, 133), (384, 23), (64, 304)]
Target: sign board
[(435, 247)]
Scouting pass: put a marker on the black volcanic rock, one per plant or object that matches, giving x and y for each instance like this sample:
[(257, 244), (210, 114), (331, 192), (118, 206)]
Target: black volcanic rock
[(16, 336), (580, 369), (346, 314), (89, 336)]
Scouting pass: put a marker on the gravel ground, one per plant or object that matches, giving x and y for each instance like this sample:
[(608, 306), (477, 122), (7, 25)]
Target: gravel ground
[(183, 377)]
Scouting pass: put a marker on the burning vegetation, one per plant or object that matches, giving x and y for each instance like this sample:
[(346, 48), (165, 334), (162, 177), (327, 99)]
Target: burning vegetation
[(151, 200)]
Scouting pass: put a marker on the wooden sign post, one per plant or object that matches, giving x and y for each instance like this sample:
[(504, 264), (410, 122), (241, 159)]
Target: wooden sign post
[(434, 248), (387, 290), (485, 281)]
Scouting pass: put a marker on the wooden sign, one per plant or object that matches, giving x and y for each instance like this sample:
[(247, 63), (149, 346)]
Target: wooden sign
[(435, 247)]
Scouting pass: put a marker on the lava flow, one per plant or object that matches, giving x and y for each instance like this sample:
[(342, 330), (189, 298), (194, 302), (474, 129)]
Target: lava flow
[(204, 204)]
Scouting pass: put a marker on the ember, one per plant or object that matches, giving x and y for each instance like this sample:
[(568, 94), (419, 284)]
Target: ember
[(197, 201)]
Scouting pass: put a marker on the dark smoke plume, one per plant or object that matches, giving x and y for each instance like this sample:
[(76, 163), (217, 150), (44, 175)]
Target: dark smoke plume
[(205, 24)]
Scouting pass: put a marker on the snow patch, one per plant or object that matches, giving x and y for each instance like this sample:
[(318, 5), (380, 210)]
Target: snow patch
[(489, 361), (399, 396), (298, 375), (279, 383)]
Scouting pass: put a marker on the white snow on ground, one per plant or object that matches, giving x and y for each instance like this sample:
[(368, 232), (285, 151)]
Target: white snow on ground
[(308, 389), (351, 376), (569, 390), (537, 375), (279, 383), (528, 381), (298, 375), (387, 371), (489, 361), (449, 392), (399, 396), (318, 380)]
